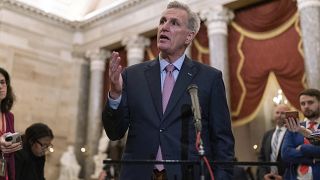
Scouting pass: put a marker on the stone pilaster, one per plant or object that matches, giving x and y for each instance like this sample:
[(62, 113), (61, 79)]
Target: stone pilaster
[(217, 19), (188, 51), (97, 68), (309, 11), (81, 124), (135, 46)]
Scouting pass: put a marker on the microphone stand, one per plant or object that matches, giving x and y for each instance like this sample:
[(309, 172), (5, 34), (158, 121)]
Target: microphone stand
[(201, 152), (193, 91)]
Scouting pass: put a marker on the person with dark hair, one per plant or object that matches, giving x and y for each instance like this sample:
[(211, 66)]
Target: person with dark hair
[(297, 151), (152, 102), (31, 159), (7, 127)]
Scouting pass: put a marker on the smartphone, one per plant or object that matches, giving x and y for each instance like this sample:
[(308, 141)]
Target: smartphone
[(14, 137), (293, 114)]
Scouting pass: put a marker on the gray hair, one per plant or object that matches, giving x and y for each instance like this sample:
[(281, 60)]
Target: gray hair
[(193, 18)]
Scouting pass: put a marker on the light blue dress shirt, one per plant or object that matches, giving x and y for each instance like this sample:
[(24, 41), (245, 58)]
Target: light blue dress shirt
[(114, 103)]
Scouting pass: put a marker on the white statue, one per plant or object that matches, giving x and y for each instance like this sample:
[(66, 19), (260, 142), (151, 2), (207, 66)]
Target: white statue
[(70, 168), (102, 155)]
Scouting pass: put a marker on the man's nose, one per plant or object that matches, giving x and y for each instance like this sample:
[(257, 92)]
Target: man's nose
[(165, 26), (306, 106)]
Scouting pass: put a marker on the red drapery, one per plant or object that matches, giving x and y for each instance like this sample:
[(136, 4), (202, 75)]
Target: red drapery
[(264, 39)]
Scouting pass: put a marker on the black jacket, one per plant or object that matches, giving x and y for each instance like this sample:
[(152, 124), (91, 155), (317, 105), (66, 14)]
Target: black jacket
[(29, 166)]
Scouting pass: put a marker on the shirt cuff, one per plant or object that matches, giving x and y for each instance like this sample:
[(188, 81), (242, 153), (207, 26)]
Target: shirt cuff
[(114, 103)]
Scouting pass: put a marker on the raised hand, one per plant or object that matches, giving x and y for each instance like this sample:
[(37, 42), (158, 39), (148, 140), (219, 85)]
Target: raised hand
[(115, 77), (293, 125)]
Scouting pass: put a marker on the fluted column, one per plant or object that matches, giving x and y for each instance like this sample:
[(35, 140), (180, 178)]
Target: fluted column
[(217, 19), (135, 46), (97, 68), (309, 11)]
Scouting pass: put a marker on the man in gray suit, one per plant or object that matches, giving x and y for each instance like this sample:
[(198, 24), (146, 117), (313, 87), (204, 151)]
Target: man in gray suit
[(273, 153), (159, 131)]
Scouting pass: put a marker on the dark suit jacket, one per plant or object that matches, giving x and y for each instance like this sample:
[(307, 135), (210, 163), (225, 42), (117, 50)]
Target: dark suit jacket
[(294, 157), (264, 156), (140, 110), (29, 166)]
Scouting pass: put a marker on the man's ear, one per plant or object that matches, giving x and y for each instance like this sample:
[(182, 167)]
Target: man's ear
[(190, 37)]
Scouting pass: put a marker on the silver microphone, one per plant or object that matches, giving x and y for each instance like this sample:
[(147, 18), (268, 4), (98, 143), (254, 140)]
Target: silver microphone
[(193, 91)]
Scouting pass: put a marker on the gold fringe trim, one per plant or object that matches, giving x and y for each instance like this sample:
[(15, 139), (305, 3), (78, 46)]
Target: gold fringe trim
[(297, 28), (304, 81), (266, 35), (201, 50), (300, 50), (239, 77)]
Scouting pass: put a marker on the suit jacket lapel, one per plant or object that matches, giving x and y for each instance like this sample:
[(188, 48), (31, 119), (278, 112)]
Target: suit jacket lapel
[(267, 146), (187, 72), (152, 73)]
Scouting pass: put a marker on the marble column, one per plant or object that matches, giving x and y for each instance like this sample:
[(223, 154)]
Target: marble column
[(97, 68), (309, 11), (217, 19), (81, 124), (135, 46), (188, 51)]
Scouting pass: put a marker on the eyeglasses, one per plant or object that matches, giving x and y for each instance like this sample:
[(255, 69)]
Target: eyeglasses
[(43, 146)]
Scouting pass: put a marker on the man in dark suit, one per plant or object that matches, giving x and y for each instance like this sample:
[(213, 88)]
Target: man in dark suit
[(136, 102), (297, 151), (273, 136)]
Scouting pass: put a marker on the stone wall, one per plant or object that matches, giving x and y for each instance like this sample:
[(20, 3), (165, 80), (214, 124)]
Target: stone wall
[(45, 77)]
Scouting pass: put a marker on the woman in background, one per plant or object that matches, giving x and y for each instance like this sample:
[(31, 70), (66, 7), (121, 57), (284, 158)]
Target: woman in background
[(6, 127), (31, 159)]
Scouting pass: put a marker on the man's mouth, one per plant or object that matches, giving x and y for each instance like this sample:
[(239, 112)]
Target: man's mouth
[(164, 37)]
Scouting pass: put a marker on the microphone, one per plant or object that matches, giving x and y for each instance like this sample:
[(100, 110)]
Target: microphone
[(193, 91)]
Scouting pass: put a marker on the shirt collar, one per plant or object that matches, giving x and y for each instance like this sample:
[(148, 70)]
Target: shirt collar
[(178, 63), (308, 121), (283, 128)]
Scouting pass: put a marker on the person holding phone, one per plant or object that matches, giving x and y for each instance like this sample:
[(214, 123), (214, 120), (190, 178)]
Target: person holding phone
[(296, 149), (7, 148), (31, 159)]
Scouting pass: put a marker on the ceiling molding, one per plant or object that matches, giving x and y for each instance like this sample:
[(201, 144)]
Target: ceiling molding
[(32, 11), (122, 7), (49, 17)]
